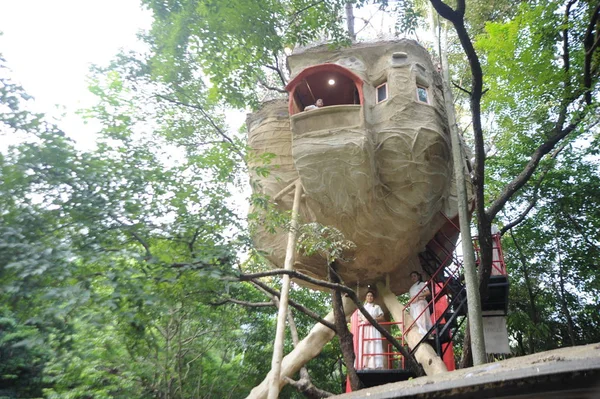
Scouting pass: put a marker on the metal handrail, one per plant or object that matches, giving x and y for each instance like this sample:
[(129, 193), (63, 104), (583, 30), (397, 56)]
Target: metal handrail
[(499, 265), (444, 269), (389, 354)]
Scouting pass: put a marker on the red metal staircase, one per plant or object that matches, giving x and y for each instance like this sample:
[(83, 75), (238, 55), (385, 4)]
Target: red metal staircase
[(447, 305)]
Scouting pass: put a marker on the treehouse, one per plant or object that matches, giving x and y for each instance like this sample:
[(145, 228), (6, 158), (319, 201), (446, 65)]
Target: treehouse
[(362, 145), (374, 162)]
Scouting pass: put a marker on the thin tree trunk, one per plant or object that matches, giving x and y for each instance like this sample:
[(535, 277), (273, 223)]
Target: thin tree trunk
[(466, 360), (477, 341), (304, 384), (345, 336), (520, 344), (350, 20), (306, 350), (484, 227), (532, 308), (563, 299), (425, 354)]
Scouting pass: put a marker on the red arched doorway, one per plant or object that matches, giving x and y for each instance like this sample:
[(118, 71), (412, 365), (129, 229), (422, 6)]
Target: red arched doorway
[(332, 83)]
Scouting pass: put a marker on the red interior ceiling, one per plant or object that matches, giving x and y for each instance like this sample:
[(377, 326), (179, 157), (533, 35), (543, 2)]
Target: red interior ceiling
[(313, 83)]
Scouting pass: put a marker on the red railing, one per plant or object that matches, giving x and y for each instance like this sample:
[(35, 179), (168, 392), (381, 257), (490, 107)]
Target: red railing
[(450, 271), (390, 355), (448, 268), (498, 265)]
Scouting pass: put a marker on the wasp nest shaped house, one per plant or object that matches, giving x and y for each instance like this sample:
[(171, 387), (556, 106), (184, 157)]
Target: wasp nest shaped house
[(375, 161)]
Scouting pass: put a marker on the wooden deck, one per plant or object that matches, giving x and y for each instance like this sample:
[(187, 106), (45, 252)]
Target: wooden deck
[(572, 372)]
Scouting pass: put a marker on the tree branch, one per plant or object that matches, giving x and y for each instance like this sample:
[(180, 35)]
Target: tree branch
[(351, 294), (193, 241), (534, 199), (344, 336), (444, 10), (460, 7), (523, 214), (243, 303), (208, 118), (304, 384), (306, 387), (197, 265), (461, 88), (527, 172), (266, 86), (300, 11), (590, 45), (294, 304), (367, 22), (580, 230), (134, 234), (297, 275), (278, 69)]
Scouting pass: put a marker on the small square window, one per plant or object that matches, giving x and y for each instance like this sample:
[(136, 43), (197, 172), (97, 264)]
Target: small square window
[(422, 95), (382, 93)]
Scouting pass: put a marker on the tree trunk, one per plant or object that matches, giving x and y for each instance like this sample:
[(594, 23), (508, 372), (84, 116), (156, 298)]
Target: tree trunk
[(477, 340), (520, 345), (484, 227), (350, 20), (304, 384), (425, 354), (559, 130), (563, 301), (306, 350), (345, 336), (532, 308), (466, 359)]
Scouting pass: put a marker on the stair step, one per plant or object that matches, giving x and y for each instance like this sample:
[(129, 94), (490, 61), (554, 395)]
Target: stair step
[(373, 378)]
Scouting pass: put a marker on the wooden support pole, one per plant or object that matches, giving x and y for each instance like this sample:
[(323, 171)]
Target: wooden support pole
[(290, 187), (306, 350), (283, 300)]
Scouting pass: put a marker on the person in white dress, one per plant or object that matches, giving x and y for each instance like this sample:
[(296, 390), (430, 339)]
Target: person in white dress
[(419, 303), (370, 342)]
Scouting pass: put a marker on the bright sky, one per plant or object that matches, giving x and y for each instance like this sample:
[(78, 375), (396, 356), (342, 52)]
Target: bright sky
[(50, 44)]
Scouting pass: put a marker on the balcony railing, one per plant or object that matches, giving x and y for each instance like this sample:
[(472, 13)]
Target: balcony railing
[(331, 117)]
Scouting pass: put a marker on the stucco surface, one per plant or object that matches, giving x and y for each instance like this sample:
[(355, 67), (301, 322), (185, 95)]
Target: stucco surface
[(380, 173)]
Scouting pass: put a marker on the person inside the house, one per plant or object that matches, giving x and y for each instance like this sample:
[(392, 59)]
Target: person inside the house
[(419, 308), (318, 104), (370, 349)]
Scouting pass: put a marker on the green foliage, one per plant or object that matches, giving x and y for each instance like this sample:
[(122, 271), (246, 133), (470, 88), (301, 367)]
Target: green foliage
[(529, 85), (22, 358), (110, 258), (410, 16), (116, 263), (532, 85), (326, 241), (554, 283), (13, 115), (237, 43)]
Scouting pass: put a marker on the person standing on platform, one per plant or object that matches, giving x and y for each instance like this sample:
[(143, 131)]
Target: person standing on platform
[(419, 308), (370, 344)]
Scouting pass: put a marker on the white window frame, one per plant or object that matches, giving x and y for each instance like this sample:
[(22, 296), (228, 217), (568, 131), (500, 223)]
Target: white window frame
[(387, 93)]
